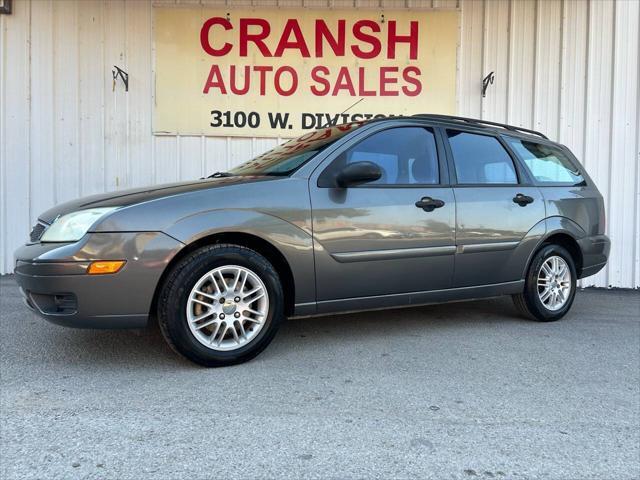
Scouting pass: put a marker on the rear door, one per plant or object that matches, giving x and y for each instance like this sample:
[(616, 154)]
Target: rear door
[(496, 208)]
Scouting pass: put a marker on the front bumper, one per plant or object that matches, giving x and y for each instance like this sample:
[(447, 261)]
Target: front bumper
[(54, 283), (595, 253)]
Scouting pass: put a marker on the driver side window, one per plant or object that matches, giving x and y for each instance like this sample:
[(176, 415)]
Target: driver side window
[(405, 155)]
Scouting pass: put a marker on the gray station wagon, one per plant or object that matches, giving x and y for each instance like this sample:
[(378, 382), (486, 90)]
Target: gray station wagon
[(386, 213)]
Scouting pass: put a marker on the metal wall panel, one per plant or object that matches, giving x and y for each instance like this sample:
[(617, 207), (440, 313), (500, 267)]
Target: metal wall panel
[(495, 58), (15, 145), (522, 29), (624, 149), (597, 147), (566, 67)]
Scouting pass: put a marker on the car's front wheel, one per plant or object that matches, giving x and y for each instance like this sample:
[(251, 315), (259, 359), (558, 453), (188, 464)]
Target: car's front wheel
[(221, 305), (550, 285)]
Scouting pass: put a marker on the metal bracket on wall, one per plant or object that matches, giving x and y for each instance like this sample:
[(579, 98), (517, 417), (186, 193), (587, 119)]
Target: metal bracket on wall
[(5, 7), (118, 72), (486, 81)]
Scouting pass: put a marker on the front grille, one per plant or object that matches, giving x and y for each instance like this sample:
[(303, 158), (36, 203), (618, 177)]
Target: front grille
[(37, 231)]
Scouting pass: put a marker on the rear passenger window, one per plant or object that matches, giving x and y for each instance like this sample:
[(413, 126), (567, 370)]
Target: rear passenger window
[(546, 163), (480, 159)]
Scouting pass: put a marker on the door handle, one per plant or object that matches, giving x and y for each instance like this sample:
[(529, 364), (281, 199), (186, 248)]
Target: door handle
[(429, 204), (522, 200)]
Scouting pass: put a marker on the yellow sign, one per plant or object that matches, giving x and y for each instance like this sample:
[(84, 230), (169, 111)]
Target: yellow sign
[(280, 72)]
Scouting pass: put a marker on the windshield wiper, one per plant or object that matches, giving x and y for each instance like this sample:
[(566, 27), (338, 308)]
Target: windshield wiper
[(220, 175)]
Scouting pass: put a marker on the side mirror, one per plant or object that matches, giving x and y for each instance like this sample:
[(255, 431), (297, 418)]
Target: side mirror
[(358, 173)]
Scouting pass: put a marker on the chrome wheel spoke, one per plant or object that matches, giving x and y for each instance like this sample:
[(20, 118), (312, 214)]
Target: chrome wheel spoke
[(560, 296), (254, 312), (220, 278), (201, 317), (206, 295), (253, 296), (216, 329), (251, 292), (236, 279), (215, 283), (206, 324), (244, 281), (243, 333), (227, 307), (562, 270), (234, 332), (200, 302), (224, 333)]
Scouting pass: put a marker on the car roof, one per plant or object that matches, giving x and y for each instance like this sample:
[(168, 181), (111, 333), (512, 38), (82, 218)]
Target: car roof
[(478, 124)]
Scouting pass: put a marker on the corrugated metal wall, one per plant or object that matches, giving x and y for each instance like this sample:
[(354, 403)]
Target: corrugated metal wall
[(566, 67)]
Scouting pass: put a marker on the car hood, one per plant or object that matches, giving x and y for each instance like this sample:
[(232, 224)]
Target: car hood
[(133, 196)]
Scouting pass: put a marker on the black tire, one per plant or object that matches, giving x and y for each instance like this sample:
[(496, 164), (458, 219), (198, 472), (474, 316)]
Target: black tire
[(172, 303), (528, 303)]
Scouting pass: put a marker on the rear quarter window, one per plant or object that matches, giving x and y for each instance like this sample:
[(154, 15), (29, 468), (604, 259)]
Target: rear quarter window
[(547, 164)]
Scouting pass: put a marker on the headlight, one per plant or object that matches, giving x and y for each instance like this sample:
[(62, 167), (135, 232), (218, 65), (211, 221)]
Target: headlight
[(73, 226)]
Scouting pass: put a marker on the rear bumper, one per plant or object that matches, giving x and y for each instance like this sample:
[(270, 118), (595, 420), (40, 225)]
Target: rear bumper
[(595, 253), (54, 284)]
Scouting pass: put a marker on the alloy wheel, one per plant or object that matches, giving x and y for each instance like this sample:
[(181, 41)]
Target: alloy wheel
[(554, 283), (227, 307)]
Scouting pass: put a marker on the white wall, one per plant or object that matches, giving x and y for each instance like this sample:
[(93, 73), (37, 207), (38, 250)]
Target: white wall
[(566, 67)]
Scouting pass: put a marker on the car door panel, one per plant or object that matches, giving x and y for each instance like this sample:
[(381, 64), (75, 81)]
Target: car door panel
[(490, 227), (372, 239), (496, 208), (375, 241)]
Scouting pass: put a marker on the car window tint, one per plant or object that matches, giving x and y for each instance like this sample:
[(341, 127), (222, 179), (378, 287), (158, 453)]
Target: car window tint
[(287, 157), (546, 163), (405, 155), (480, 159)]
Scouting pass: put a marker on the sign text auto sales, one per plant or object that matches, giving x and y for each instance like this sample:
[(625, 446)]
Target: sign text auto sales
[(278, 72), (327, 40)]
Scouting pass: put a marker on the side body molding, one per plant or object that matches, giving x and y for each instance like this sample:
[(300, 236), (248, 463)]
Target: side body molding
[(514, 267), (394, 254), (293, 242)]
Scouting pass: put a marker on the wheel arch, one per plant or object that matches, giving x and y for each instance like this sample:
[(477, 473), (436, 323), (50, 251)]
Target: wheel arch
[(570, 244), (566, 233), (254, 242)]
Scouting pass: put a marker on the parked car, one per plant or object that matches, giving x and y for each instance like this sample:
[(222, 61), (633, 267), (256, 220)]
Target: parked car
[(369, 215)]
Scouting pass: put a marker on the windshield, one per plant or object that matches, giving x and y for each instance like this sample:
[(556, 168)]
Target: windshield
[(288, 157)]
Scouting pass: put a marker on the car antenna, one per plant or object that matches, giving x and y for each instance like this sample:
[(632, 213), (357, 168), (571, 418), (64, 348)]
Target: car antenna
[(344, 111)]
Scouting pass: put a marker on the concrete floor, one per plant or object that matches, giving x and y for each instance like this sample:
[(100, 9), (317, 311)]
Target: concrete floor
[(464, 390)]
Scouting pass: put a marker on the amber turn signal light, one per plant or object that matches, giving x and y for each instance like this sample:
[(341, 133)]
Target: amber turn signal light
[(103, 267)]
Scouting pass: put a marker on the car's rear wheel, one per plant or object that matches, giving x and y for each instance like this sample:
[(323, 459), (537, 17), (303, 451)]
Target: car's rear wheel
[(221, 305), (550, 285)]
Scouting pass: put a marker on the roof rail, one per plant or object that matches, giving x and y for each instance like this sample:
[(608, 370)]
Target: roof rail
[(472, 121)]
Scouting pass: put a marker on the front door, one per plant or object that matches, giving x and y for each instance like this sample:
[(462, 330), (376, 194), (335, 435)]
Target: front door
[(498, 214), (395, 235)]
